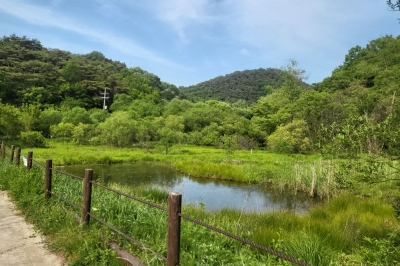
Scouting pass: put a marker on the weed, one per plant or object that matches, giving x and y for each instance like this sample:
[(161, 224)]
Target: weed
[(347, 230)]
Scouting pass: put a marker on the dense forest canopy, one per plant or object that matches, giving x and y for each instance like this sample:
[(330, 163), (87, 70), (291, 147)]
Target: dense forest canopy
[(355, 110), (33, 74), (248, 85), (348, 122)]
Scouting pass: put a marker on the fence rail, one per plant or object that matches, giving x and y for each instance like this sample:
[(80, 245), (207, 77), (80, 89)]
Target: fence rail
[(173, 210)]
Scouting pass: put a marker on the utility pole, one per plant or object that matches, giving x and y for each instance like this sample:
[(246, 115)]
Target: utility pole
[(104, 98)]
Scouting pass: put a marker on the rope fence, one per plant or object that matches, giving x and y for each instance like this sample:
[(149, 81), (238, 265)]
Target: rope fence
[(127, 237), (173, 210), (130, 196), (38, 163), (243, 240), (65, 200), (67, 174)]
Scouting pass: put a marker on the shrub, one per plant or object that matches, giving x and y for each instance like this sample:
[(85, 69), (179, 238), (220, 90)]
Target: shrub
[(283, 146), (33, 139), (294, 134), (62, 130)]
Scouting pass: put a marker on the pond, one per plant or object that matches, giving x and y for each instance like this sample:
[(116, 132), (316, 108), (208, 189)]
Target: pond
[(213, 194)]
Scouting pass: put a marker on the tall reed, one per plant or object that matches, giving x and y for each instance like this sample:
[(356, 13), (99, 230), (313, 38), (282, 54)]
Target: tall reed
[(332, 233)]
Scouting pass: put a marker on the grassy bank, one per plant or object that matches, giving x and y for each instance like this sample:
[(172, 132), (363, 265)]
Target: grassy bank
[(295, 172), (346, 231), (309, 173)]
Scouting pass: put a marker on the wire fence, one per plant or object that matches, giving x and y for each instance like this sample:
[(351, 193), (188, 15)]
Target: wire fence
[(173, 210), (66, 201), (130, 196)]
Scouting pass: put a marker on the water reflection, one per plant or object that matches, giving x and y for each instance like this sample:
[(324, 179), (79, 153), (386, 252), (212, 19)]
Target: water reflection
[(214, 194)]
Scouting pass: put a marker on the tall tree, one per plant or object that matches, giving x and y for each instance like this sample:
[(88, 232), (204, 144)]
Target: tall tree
[(393, 5), (118, 129), (294, 78), (10, 124)]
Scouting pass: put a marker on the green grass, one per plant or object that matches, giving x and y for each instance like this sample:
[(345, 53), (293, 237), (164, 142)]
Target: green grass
[(313, 174), (309, 173), (63, 234), (347, 230), (295, 172)]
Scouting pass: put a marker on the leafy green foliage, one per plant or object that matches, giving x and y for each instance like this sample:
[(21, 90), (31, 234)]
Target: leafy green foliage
[(47, 118), (246, 85), (229, 143), (293, 77), (71, 72), (76, 115), (10, 124), (345, 231), (292, 137), (80, 247), (31, 73), (353, 113), (36, 95), (82, 133), (382, 251), (170, 131), (33, 139), (62, 130), (118, 129)]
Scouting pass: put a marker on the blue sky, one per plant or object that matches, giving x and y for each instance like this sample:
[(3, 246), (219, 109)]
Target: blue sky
[(185, 42)]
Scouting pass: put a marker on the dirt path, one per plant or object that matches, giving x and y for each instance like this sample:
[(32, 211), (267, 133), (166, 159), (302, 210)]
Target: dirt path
[(19, 243)]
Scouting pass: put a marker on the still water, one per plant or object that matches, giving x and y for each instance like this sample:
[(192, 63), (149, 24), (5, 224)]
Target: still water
[(213, 194)]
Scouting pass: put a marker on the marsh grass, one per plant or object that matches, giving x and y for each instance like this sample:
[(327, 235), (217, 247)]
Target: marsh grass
[(296, 172), (309, 248), (332, 234), (63, 234)]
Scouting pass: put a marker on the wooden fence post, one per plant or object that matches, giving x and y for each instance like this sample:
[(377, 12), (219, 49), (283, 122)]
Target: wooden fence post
[(174, 228), (29, 160), (12, 153), (87, 195), (49, 172), (3, 150), (18, 156)]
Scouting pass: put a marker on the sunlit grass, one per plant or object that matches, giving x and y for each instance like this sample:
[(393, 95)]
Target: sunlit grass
[(312, 174), (295, 172), (332, 234)]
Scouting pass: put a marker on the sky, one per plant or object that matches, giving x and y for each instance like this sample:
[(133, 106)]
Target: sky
[(185, 42)]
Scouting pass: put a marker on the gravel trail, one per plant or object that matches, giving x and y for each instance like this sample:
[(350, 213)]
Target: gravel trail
[(19, 243)]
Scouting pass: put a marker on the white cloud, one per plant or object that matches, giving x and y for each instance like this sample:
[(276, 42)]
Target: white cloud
[(316, 33), (183, 14), (292, 25), (286, 26), (46, 17), (244, 51)]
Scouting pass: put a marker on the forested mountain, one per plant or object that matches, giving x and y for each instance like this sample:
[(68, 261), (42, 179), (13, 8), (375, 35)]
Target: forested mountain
[(351, 118), (367, 83), (31, 73), (248, 85), (355, 110)]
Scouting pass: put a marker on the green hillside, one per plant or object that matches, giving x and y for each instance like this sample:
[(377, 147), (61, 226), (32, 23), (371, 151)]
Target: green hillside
[(354, 110), (31, 73), (248, 85)]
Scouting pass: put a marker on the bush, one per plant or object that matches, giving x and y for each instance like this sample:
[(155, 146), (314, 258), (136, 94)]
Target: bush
[(33, 139), (283, 146), (62, 130), (294, 134)]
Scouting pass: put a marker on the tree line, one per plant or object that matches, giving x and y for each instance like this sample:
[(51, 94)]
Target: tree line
[(355, 110), (33, 74)]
